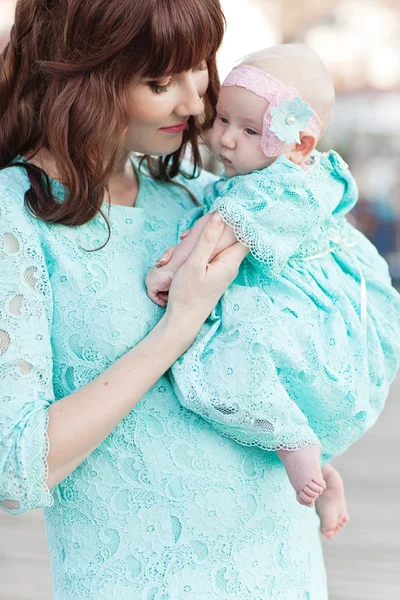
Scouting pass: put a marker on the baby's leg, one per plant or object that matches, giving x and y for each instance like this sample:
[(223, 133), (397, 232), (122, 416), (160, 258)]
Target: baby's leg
[(331, 506), (304, 472)]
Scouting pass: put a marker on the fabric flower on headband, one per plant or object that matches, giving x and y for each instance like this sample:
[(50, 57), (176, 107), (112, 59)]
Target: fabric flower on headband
[(289, 118)]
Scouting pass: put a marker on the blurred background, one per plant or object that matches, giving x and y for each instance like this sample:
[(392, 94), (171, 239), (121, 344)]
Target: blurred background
[(359, 40)]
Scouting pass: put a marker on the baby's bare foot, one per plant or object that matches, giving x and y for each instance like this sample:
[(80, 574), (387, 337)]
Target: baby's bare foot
[(304, 472), (331, 506)]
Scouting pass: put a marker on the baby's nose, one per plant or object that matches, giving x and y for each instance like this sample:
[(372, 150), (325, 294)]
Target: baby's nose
[(228, 141)]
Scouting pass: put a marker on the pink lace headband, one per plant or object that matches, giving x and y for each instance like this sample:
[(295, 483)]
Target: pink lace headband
[(286, 116)]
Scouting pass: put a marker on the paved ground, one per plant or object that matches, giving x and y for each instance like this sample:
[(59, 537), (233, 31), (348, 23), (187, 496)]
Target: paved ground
[(363, 562)]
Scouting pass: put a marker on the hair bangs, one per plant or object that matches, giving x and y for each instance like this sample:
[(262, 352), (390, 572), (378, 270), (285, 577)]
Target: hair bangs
[(66, 91), (184, 33)]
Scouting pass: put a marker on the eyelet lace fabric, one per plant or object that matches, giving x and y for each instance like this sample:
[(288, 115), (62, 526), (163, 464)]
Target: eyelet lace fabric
[(26, 304), (284, 361), (166, 508)]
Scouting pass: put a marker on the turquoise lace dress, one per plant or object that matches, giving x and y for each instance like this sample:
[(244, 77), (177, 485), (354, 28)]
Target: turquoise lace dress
[(303, 346), (166, 508)]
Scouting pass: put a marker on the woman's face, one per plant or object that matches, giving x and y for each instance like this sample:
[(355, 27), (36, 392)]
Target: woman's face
[(159, 110)]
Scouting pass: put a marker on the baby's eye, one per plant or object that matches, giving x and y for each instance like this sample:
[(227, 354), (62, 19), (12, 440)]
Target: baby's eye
[(251, 131), (224, 120)]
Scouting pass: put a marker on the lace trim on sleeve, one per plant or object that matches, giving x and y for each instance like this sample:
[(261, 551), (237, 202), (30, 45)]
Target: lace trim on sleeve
[(26, 388)]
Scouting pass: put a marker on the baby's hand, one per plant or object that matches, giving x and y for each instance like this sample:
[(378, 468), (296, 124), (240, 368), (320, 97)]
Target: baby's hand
[(158, 282), (159, 278)]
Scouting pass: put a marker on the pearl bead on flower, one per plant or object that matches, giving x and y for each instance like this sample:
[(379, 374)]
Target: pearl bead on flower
[(290, 119)]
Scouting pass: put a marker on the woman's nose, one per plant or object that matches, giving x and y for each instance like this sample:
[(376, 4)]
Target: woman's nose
[(191, 106), (191, 103)]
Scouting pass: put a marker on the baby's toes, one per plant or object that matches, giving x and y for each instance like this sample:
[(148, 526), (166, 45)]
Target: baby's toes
[(304, 499), (329, 533), (315, 487), (320, 483), (311, 492), (329, 528), (343, 521)]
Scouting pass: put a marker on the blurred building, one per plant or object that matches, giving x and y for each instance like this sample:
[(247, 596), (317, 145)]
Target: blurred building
[(359, 41)]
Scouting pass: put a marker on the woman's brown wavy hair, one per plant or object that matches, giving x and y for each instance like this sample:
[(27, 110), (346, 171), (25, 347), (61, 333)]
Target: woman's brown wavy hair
[(63, 77)]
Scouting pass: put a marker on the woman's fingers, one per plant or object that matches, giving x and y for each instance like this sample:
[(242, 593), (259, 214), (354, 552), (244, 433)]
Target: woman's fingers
[(208, 240), (231, 257), (165, 258), (198, 284)]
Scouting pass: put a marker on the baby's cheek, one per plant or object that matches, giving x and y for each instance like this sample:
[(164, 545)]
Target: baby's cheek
[(214, 138), (262, 160)]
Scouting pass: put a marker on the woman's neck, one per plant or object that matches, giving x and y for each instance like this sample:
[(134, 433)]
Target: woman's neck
[(123, 184)]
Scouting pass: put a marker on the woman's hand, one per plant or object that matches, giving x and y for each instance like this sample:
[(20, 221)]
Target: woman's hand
[(198, 284)]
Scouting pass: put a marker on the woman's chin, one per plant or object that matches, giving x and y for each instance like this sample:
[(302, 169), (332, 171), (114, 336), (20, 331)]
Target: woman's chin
[(159, 150)]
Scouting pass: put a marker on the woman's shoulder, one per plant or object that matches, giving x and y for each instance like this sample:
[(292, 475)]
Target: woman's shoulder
[(14, 184), (13, 181)]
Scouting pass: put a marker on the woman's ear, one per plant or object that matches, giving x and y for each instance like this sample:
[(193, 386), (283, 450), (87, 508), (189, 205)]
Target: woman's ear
[(300, 152)]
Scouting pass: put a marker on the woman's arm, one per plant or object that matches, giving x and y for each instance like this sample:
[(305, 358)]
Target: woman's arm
[(81, 421)]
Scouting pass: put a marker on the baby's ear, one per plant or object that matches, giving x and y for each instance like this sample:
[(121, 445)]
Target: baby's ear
[(302, 151)]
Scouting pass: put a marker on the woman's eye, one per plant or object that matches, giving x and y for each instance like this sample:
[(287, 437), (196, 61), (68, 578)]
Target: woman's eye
[(203, 66), (251, 131), (158, 87)]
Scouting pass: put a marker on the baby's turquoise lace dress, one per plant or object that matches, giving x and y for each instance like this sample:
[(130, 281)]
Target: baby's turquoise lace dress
[(303, 346), (166, 508)]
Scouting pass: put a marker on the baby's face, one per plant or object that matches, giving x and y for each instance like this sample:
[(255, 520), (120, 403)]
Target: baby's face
[(236, 134)]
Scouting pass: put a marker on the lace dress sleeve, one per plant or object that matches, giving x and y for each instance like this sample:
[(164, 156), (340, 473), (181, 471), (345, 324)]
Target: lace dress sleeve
[(25, 360), (272, 212)]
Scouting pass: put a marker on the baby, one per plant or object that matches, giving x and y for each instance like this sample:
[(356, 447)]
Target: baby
[(298, 355)]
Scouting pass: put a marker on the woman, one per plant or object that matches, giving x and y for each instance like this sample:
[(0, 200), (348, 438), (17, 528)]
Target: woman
[(142, 499)]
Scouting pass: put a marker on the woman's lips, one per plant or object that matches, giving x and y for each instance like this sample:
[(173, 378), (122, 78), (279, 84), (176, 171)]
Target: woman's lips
[(174, 128)]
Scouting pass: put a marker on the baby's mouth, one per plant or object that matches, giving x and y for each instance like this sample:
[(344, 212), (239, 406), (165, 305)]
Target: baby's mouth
[(226, 161)]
